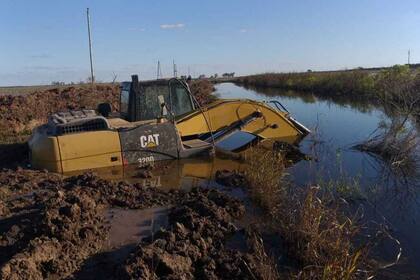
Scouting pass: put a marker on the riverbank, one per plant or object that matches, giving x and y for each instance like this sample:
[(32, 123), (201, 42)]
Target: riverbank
[(398, 84)]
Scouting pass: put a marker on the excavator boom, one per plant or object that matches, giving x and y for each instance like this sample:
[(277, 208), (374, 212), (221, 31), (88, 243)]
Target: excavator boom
[(254, 117)]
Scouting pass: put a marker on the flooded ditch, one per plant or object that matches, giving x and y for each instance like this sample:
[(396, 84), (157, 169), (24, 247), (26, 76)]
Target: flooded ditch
[(337, 127), (192, 218)]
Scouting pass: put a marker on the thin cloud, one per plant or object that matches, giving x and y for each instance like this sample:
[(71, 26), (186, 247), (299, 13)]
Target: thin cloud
[(48, 68), (172, 26), (42, 55), (243, 30), (141, 29)]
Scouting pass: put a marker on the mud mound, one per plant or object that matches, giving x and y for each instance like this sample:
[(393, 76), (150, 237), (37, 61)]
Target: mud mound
[(21, 113), (21, 181), (70, 230), (120, 194), (50, 226), (195, 245), (21, 188)]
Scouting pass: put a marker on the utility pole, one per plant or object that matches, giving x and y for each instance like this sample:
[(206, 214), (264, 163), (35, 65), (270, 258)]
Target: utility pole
[(175, 70), (409, 54), (159, 72), (92, 76)]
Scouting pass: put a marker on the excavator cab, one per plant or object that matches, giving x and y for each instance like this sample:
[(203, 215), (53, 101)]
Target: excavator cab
[(152, 100)]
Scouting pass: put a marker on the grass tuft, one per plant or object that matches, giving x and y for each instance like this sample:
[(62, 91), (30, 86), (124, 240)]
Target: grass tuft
[(317, 235)]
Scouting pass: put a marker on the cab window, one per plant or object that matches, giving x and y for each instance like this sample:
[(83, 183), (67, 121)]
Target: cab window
[(180, 102), (124, 97)]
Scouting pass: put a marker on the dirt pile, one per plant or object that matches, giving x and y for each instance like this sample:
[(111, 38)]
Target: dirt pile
[(194, 247), (18, 188), (21, 113), (49, 229), (50, 226), (68, 230), (21, 188), (120, 194)]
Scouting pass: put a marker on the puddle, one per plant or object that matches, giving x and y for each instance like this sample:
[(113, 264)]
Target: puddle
[(129, 227)]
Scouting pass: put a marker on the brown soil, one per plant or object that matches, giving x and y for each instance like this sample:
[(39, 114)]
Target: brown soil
[(21, 113), (194, 247), (67, 230), (51, 226)]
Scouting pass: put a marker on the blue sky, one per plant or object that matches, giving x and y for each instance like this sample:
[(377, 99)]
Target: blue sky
[(44, 41)]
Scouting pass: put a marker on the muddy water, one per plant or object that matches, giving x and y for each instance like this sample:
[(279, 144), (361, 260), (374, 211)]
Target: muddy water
[(130, 226), (174, 174), (127, 227)]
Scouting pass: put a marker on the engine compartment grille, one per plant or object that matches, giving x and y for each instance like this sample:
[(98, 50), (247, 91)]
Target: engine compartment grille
[(75, 122), (91, 125)]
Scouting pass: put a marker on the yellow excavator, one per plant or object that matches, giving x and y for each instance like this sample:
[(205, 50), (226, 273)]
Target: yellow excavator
[(158, 120)]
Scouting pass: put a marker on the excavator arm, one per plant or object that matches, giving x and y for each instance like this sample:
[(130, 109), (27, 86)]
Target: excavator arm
[(246, 115)]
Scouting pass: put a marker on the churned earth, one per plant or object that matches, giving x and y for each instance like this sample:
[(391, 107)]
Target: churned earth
[(56, 228)]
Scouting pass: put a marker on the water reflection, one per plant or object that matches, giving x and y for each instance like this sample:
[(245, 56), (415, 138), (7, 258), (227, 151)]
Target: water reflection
[(358, 104), (181, 174), (337, 126)]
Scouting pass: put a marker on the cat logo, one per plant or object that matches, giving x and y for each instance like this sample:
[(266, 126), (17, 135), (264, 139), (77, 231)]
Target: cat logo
[(149, 141)]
